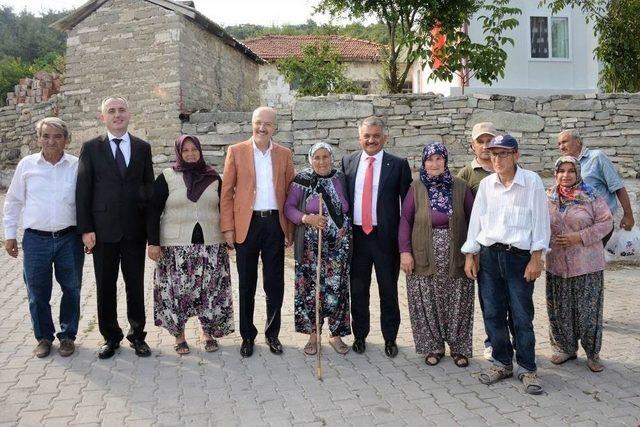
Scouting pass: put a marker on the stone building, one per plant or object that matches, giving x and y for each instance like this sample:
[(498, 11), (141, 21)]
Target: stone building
[(165, 57), (362, 58)]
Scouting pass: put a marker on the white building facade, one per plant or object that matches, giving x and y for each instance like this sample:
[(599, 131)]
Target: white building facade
[(552, 53)]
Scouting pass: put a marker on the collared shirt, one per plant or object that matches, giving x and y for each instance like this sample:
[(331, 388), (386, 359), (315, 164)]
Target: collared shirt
[(472, 174), (125, 146), (598, 171), (44, 194), (265, 190), (359, 186), (516, 215)]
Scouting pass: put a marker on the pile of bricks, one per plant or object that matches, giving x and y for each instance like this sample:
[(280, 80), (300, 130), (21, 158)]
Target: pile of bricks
[(40, 88)]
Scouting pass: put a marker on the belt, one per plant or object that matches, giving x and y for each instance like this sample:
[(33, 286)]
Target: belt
[(508, 248), (52, 234), (264, 214)]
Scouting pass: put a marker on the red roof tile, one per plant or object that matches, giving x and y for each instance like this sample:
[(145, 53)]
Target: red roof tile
[(280, 46)]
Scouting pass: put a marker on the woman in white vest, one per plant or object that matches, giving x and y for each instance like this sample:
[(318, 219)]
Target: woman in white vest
[(192, 272)]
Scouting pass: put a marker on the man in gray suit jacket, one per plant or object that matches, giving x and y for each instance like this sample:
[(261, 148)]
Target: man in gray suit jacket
[(376, 182)]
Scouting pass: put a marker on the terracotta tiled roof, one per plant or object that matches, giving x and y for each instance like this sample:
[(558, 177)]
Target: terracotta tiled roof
[(279, 46)]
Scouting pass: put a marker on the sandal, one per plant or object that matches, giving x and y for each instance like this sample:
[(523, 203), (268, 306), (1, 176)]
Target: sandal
[(210, 345), (559, 358), (338, 345), (493, 374), (182, 348), (311, 348), (594, 364), (460, 360), (531, 383), (432, 359)]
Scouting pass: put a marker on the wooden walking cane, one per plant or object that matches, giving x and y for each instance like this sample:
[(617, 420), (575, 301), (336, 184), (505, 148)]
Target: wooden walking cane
[(318, 311)]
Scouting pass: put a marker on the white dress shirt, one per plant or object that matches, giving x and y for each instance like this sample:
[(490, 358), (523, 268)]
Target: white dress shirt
[(516, 215), (359, 187), (125, 146), (265, 190), (44, 194)]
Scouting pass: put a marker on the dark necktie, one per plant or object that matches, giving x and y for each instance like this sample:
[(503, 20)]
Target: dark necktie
[(120, 163)]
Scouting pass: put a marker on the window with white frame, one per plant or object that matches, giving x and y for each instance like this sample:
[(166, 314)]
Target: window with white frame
[(549, 37)]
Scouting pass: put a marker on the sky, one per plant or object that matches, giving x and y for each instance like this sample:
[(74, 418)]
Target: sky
[(222, 12)]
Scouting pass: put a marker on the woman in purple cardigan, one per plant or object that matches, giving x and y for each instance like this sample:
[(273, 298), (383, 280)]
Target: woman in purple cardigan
[(302, 208), (575, 264), (433, 227)]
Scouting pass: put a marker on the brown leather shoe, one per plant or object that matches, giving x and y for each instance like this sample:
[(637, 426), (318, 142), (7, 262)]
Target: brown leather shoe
[(67, 347), (43, 348)]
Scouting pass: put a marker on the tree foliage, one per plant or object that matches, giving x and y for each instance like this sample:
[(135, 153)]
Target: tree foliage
[(617, 27), (409, 25), (462, 57), (28, 45), (317, 72), (376, 32)]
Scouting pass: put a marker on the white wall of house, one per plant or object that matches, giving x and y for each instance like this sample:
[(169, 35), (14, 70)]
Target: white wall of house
[(558, 59), (276, 92)]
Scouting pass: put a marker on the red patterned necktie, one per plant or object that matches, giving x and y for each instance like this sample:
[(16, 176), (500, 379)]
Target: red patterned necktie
[(367, 198)]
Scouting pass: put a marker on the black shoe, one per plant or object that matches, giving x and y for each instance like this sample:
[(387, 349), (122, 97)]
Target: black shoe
[(359, 346), (246, 349), (274, 345), (141, 348), (108, 349), (390, 348)]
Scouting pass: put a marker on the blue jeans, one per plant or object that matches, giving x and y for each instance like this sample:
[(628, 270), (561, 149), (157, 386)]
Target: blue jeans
[(504, 289), (42, 255)]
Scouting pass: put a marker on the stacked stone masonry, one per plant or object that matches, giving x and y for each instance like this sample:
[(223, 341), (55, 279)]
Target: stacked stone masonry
[(35, 90)]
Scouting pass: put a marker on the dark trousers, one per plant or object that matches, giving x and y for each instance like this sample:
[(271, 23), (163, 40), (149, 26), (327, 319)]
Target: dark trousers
[(503, 288), (129, 256), (265, 239), (42, 257), (487, 341), (370, 251)]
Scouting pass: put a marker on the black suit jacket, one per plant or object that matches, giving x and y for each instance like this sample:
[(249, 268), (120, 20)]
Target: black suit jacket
[(395, 179), (106, 203)]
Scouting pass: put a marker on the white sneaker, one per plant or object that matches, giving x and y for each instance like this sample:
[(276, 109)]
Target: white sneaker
[(488, 353)]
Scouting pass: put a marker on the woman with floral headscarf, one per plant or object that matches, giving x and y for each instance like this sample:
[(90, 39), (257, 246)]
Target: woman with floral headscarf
[(302, 208), (192, 272), (433, 227), (575, 264)]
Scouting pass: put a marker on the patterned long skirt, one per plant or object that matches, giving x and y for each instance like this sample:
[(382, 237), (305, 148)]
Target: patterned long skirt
[(192, 281), (575, 307), (334, 280), (441, 308)]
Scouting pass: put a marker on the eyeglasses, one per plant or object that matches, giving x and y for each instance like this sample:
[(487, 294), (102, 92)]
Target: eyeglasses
[(501, 154)]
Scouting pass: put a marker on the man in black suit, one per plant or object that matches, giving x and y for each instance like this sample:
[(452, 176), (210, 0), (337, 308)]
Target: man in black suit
[(115, 178), (377, 182)]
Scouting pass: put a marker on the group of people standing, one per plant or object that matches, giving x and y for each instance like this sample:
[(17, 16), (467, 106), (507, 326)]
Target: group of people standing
[(491, 223)]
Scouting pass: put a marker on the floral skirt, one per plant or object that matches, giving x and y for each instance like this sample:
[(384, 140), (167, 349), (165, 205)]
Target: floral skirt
[(441, 308), (574, 306), (193, 280), (334, 280)]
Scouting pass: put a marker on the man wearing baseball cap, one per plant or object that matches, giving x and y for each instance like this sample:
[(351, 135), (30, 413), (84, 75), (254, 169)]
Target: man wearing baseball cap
[(479, 168), (508, 231)]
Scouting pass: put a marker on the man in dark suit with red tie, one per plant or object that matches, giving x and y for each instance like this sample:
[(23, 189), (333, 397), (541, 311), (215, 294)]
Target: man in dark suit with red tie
[(377, 182), (115, 178)]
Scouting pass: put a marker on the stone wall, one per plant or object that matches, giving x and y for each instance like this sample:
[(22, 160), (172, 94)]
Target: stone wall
[(213, 75), (610, 122), (129, 48), (18, 133)]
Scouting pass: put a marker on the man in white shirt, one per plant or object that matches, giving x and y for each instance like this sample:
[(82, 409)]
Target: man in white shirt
[(377, 182), (256, 178), (508, 231), (42, 192)]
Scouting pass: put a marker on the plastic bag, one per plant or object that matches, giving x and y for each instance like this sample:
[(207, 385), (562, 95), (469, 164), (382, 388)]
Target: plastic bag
[(624, 245)]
